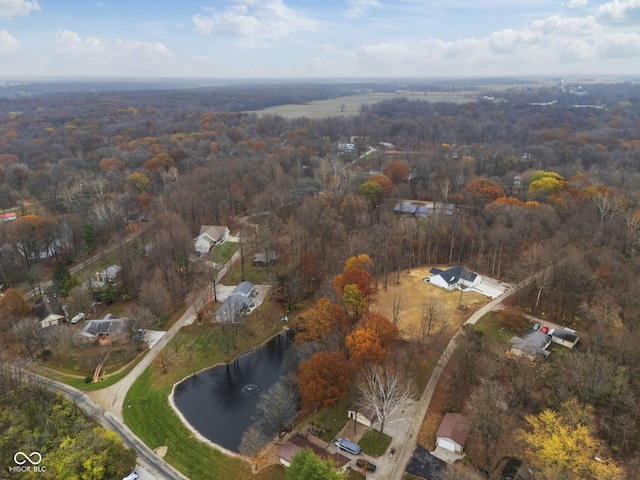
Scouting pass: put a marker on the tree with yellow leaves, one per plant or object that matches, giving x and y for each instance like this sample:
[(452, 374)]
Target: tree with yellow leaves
[(563, 445)]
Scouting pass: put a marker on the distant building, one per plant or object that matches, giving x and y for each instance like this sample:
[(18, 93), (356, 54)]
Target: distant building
[(106, 331), (564, 337), (423, 209), (532, 345), (210, 235), (453, 278), (49, 311)]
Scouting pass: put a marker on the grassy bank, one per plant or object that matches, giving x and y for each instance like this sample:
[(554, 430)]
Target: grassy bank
[(147, 412)]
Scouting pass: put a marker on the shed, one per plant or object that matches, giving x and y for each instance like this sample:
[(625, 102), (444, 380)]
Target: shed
[(365, 416), (452, 433)]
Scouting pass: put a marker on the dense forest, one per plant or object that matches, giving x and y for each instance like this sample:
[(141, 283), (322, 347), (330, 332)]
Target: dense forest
[(541, 183), (54, 432)]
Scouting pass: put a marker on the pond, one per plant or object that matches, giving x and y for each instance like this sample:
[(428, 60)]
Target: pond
[(220, 402)]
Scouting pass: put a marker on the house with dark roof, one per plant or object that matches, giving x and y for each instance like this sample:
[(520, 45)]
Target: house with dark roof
[(453, 278), (106, 331), (532, 345), (210, 235), (49, 311), (452, 432), (297, 443)]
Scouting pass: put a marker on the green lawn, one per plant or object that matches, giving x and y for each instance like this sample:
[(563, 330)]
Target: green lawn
[(222, 253), (330, 419), (502, 325), (148, 414), (374, 444), (256, 275)]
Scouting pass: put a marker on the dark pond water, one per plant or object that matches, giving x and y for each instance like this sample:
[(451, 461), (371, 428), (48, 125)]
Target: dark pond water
[(220, 402)]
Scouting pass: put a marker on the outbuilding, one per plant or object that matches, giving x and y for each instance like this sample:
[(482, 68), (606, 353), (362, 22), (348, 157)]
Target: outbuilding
[(452, 433)]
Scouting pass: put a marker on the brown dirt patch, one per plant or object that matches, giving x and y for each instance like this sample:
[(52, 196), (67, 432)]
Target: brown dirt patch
[(415, 292)]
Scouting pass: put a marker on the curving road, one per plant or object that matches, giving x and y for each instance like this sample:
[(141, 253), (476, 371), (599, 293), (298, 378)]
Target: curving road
[(403, 453), (146, 457)]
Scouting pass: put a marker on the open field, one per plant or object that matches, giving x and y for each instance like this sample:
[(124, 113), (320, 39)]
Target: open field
[(350, 105), (413, 293)]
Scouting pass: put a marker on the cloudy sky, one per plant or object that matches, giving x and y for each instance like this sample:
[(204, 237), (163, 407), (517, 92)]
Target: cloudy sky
[(318, 38)]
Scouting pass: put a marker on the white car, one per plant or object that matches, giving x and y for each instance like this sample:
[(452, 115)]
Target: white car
[(78, 317), (131, 476)]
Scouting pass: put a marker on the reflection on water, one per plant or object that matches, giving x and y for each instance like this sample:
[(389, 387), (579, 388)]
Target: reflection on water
[(220, 402)]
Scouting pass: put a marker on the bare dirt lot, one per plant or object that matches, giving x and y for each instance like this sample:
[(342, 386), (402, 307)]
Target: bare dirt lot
[(415, 294)]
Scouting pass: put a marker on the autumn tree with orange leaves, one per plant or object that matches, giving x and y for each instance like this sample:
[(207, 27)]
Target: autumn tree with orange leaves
[(325, 377), (320, 322), (364, 347)]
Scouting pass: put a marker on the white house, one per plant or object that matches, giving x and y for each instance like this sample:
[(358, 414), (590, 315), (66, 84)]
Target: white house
[(453, 278), (452, 433), (563, 337), (210, 235)]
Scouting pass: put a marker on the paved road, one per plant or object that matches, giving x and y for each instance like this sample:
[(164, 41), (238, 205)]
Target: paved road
[(403, 453), (44, 286), (146, 457)]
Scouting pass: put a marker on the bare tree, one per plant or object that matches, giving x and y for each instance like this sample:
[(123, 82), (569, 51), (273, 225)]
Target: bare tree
[(27, 332), (486, 409), (154, 294), (252, 441), (277, 408), (396, 308), (432, 311), (142, 316), (386, 391)]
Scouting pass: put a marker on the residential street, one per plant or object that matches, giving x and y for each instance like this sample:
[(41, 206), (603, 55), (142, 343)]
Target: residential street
[(406, 443)]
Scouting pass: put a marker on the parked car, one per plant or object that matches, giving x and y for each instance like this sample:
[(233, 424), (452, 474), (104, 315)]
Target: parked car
[(78, 317), (131, 476), (362, 464)]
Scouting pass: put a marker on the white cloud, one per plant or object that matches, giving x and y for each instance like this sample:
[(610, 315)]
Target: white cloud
[(255, 22), (619, 45), (625, 12), (359, 8), (67, 42), (203, 23), (16, 8), (101, 58), (577, 3), (8, 44)]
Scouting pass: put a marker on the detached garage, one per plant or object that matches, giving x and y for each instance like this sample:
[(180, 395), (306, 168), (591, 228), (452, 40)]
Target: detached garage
[(452, 433)]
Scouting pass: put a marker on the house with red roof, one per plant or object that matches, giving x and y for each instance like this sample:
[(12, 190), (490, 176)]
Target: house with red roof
[(452, 433)]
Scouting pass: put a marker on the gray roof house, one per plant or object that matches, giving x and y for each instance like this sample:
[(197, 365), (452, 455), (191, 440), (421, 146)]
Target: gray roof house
[(533, 344), (232, 308), (105, 331), (454, 277), (209, 236), (245, 288), (563, 337)]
